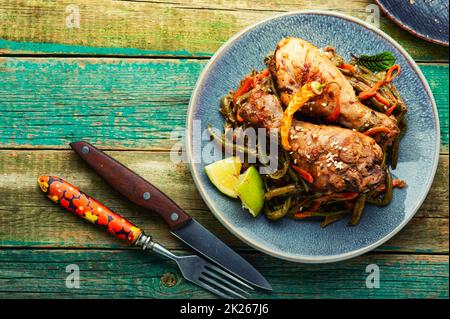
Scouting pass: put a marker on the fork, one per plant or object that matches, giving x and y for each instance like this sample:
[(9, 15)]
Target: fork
[(200, 272), (193, 268)]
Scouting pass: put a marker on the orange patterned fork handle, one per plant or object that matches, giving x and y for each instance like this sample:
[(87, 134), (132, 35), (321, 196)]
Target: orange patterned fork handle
[(75, 201)]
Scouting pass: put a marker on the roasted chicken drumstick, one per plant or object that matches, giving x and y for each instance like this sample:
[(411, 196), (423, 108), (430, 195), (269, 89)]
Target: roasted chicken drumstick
[(297, 62), (337, 159)]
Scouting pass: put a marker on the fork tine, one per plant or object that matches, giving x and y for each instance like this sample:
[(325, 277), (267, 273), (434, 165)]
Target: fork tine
[(226, 274), (221, 286), (212, 289), (223, 280)]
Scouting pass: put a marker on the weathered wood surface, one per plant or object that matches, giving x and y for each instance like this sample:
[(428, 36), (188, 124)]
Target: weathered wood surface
[(115, 103), (28, 219), (136, 274), (174, 28), (55, 88)]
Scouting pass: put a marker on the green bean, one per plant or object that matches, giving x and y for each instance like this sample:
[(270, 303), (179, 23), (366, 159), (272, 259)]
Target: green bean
[(279, 174), (293, 175), (360, 87), (226, 110), (397, 95), (279, 213), (383, 163), (326, 214), (282, 191), (244, 97), (228, 145), (358, 210), (394, 152), (330, 219), (285, 163), (387, 194), (400, 116)]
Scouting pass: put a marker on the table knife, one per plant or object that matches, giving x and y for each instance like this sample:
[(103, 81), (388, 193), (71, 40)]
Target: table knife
[(193, 268), (182, 226)]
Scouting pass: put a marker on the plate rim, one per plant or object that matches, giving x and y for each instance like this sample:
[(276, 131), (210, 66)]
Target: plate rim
[(398, 22), (216, 212)]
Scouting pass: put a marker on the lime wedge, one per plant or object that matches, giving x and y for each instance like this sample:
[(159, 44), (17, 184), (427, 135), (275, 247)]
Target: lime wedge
[(224, 174), (251, 191)]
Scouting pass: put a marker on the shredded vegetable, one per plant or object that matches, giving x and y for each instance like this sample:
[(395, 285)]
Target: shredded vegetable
[(290, 191), (390, 76)]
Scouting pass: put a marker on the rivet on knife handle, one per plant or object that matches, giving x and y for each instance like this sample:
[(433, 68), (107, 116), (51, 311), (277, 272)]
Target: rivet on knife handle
[(75, 201), (141, 192)]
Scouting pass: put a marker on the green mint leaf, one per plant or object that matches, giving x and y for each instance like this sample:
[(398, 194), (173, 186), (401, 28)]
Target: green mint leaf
[(378, 62)]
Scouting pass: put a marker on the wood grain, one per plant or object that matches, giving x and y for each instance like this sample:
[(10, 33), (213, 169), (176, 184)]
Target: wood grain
[(127, 104), (167, 28), (115, 103), (28, 219), (136, 274)]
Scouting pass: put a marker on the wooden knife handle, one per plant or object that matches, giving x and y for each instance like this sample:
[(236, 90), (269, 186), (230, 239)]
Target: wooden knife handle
[(75, 201), (131, 185)]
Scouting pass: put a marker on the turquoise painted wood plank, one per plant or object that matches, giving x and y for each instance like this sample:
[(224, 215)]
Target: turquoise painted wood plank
[(29, 219), (164, 28), (115, 103), (438, 78), (136, 274)]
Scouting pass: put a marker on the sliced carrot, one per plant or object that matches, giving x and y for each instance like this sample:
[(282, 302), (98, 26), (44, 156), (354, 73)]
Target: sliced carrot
[(301, 215), (261, 75), (376, 130), (389, 77), (349, 67), (310, 212), (391, 109), (303, 173), (239, 117), (399, 183), (246, 85), (382, 99)]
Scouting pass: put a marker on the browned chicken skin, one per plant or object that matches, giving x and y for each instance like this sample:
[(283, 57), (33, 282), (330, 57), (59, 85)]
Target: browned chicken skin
[(339, 159), (296, 62), (261, 108)]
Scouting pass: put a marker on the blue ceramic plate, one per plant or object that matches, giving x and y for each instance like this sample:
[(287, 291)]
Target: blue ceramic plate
[(427, 19), (305, 241)]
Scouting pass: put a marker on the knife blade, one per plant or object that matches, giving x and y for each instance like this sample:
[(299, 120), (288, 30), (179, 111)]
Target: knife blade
[(144, 194)]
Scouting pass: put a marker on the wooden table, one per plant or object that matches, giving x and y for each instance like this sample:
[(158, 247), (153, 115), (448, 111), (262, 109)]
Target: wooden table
[(122, 81)]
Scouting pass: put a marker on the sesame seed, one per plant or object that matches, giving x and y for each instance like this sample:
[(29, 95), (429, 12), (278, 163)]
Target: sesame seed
[(295, 161), (307, 156), (344, 148)]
